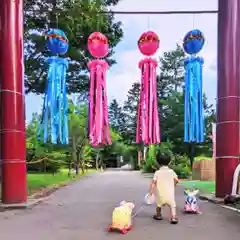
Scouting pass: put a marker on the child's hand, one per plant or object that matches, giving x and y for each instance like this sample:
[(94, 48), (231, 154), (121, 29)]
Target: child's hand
[(176, 181), (149, 198)]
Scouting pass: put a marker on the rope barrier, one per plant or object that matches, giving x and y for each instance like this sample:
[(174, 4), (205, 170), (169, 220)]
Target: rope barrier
[(44, 159)]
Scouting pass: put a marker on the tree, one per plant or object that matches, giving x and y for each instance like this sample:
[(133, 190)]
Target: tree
[(43, 157), (78, 138), (172, 120), (130, 111), (116, 117), (173, 125), (78, 19), (171, 77)]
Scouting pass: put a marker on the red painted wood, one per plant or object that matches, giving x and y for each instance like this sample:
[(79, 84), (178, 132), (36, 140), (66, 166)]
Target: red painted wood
[(227, 135), (12, 131)]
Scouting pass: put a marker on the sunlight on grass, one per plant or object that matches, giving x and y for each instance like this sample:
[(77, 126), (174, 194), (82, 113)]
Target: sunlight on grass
[(198, 158), (37, 181), (203, 186), (42, 180)]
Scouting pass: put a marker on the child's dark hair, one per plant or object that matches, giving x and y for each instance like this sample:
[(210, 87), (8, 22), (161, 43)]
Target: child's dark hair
[(163, 159)]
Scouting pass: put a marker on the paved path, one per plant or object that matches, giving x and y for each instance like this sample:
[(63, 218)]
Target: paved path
[(83, 211)]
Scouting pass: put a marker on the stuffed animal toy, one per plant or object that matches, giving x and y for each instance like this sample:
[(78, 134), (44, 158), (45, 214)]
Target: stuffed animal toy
[(191, 203), (122, 217)]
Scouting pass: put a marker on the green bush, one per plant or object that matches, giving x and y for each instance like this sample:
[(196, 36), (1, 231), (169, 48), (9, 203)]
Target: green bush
[(149, 168), (151, 164), (181, 171), (165, 148), (53, 167), (180, 164)]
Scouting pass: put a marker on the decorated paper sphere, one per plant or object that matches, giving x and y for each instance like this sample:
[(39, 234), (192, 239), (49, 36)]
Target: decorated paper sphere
[(57, 41), (193, 41), (148, 43), (98, 45)]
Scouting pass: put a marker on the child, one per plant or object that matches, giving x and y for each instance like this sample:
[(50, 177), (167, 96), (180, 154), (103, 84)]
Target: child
[(165, 180)]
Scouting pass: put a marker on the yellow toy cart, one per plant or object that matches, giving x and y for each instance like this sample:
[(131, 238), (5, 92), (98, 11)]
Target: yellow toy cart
[(122, 217)]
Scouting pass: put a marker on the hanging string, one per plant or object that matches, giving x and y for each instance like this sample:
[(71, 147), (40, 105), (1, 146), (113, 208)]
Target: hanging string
[(57, 25), (193, 21), (57, 20), (148, 22), (98, 22)]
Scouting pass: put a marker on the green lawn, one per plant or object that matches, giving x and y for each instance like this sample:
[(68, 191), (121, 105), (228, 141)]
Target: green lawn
[(37, 181), (203, 186), (42, 180)]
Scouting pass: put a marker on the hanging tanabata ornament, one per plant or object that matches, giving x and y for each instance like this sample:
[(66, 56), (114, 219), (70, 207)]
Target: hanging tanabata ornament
[(193, 114), (148, 129), (99, 130), (54, 114)]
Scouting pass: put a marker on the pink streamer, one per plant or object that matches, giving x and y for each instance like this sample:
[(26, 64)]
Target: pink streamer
[(148, 129), (99, 132), (91, 100), (138, 132), (157, 137), (105, 108)]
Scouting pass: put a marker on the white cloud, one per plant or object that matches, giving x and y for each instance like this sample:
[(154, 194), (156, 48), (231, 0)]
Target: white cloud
[(171, 30)]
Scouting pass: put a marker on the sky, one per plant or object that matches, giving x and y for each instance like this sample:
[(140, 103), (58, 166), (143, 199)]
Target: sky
[(170, 29)]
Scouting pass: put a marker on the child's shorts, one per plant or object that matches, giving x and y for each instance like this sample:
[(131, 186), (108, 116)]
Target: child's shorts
[(162, 201)]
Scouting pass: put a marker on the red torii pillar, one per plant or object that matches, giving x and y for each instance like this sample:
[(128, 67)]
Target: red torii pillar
[(228, 107), (12, 129)]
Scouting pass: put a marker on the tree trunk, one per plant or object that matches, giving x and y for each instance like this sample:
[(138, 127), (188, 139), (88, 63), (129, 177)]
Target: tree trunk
[(83, 168), (74, 155), (77, 169), (77, 163), (145, 148), (191, 153), (97, 157), (69, 168), (101, 162), (45, 165)]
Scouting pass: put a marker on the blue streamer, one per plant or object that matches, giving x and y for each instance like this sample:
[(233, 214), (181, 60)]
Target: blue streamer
[(193, 109), (55, 114)]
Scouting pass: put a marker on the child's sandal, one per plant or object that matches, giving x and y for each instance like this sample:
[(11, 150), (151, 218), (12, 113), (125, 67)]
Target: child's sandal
[(174, 220), (156, 217)]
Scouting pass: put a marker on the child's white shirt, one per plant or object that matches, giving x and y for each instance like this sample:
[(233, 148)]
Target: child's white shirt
[(165, 185)]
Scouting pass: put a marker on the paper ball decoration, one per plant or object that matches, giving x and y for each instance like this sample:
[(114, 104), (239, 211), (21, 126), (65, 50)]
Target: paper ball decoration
[(57, 41), (98, 45), (148, 43), (193, 41)]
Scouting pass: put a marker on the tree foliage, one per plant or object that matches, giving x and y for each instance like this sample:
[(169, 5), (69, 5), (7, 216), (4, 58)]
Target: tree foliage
[(78, 154), (78, 19), (117, 117)]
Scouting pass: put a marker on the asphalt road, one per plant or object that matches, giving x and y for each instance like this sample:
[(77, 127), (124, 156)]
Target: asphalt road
[(83, 211)]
